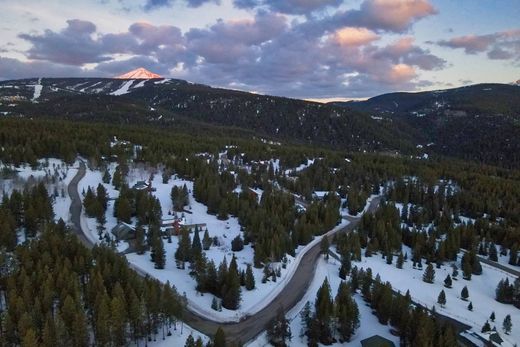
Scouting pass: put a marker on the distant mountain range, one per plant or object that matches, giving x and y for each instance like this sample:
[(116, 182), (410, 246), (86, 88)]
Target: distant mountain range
[(480, 122)]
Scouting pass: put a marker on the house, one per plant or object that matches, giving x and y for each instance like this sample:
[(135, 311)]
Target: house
[(191, 227), (172, 226), (320, 195), (377, 341), (124, 231), (141, 185)]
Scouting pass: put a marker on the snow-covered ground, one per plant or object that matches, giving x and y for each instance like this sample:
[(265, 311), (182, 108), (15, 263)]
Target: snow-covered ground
[(481, 292), (369, 324), (225, 231), (37, 90), (124, 89), (177, 339), (48, 170)]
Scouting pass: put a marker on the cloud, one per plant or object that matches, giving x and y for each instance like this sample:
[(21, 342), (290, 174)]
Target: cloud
[(73, 45), (79, 43), (15, 69), (288, 6), (151, 5), (404, 51), (504, 45), (354, 36), (387, 15), (315, 56), (227, 42)]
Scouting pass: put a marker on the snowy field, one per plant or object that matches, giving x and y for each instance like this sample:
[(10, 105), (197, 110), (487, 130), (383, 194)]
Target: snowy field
[(54, 173), (369, 324), (252, 301), (481, 292)]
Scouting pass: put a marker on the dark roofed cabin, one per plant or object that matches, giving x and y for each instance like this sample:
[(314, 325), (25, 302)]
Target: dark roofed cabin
[(123, 231), (377, 341)]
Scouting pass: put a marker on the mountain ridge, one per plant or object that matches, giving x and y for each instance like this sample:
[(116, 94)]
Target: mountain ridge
[(479, 122)]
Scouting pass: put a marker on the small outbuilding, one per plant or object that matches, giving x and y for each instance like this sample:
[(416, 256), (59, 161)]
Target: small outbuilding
[(377, 341), (123, 231)]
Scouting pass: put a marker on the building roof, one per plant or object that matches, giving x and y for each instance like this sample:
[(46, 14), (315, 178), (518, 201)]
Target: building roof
[(377, 341)]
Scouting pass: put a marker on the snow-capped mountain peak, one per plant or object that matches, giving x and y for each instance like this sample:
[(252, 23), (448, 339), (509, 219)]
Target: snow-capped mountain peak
[(140, 73)]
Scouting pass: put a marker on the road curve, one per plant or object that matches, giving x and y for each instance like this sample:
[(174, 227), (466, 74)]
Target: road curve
[(251, 326), (76, 205)]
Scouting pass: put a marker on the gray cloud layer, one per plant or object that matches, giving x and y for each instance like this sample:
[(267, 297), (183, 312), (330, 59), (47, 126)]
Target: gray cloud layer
[(322, 56)]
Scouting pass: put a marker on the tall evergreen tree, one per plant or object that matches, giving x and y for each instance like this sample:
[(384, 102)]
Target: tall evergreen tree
[(279, 330), (464, 294), (507, 325), (441, 299), (219, 339), (429, 274)]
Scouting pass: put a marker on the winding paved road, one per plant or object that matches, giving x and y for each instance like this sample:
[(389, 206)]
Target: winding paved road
[(76, 205), (251, 326)]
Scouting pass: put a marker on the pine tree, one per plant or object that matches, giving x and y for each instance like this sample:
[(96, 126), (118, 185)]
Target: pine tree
[(492, 316), (231, 290), (279, 330), (464, 294), (513, 255), (324, 307), (214, 304), (106, 176), (140, 246), (447, 281), (441, 299), (400, 261), (466, 267), (493, 254), (249, 278), (206, 241), (30, 339), (347, 313), (159, 253), (470, 306), (190, 341), (455, 272), (219, 340), (324, 247), (507, 325), (486, 327), (196, 247), (429, 274), (182, 254), (237, 244), (346, 264)]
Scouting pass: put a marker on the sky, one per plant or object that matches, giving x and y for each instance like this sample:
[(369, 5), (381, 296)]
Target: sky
[(310, 49)]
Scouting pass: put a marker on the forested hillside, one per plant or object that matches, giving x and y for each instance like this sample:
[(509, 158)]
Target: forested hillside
[(479, 122)]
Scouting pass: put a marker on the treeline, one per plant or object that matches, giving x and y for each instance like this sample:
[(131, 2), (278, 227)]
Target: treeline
[(333, 319), (415, 325), (29, 210), (26, 140), (384, 232), (508, 293), (61, 294), (225, 282)]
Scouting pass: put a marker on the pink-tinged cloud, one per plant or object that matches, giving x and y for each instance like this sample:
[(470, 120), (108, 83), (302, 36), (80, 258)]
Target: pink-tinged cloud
[(389, 15), (400, 73), (350, 36), (504, 45)]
